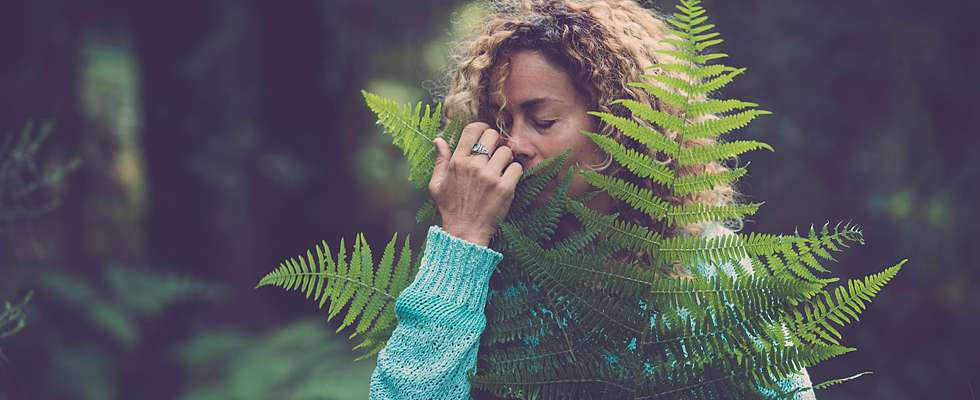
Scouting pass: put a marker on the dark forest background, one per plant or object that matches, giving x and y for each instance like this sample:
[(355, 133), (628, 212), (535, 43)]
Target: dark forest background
[(216, 137)]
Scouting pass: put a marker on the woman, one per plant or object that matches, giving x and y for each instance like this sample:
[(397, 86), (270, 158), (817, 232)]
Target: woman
[(528, 77)]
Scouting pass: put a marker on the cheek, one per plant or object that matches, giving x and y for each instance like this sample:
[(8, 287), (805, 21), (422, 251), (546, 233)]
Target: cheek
[(585, 152), (585, 148)]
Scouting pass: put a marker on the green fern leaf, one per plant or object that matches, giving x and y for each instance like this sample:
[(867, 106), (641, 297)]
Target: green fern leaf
[(412, 129), (639, 198), (694, 213), (640, 164), (369, 290), (722, 125), (647, 137), (846, 303), (718, 152), (427, 212), (715, 106), (662, 119), (706, 71), (533, 182), (625, 235), (669, 97), (688, 184)]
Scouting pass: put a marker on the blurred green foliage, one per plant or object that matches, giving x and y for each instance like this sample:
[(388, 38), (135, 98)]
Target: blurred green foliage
[(125, 296), (13, 319), (87, 333), (299, 360), (28, 187)]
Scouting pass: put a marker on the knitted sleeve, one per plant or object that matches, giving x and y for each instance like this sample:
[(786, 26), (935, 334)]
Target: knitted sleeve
[(440, 320)]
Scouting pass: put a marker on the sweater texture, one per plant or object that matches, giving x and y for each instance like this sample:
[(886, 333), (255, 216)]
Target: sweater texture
[(440, 320)]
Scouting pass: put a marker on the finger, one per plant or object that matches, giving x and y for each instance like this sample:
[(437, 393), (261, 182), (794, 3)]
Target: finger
[(501, 157), (471, 133), (442, 158), (512, 174), (489, 140)]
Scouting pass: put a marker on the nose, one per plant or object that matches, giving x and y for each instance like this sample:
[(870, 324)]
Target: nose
[(519, 143)]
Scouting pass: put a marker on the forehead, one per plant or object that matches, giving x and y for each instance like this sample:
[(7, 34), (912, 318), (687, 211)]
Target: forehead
[(529, 76)]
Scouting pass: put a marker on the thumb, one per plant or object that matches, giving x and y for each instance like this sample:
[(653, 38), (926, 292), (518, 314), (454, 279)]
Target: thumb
[(442, 157)]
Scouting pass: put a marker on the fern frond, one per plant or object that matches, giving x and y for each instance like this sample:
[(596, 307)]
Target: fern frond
[(540, 224), (813, 323), (625, 235), (587, 378), (688, 250), (696, 212), (714, 106), (639, 198), (706, 71), (662, 119), (650, 138), (718, 152), (370, 290), (412, 129), (795, 254), (577, 269), (596, 311), (639, 164), (697, 88), (789, 360), (722, 125), (833, 382), (578, 240), (534, 180), (723, 297), (427, 212), (669, 97), (694, 183), (717, 82), (682, 85)]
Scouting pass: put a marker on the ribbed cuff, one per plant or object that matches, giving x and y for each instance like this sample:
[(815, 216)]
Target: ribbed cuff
[(456, 269)]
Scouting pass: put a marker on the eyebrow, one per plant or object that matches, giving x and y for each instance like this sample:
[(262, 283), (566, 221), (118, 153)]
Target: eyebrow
[(532, 104)]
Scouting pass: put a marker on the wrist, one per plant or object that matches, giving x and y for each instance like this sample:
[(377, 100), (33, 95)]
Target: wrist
[(474, 237)]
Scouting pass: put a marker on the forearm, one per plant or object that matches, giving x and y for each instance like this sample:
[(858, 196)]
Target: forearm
[(440, 320)]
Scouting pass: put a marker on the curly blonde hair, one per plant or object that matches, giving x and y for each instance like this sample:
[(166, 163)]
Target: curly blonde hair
[(602, 45)]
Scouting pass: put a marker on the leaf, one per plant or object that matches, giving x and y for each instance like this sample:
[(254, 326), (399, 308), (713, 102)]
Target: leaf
[(368, 288)]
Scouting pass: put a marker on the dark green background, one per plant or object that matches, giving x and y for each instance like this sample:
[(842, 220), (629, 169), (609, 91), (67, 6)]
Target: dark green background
[(218, 137)]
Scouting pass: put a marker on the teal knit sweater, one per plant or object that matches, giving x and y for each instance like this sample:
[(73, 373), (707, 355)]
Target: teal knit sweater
[(440, 320)]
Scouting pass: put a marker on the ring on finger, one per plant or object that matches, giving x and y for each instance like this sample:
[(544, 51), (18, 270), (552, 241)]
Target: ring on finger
[(479, 148)]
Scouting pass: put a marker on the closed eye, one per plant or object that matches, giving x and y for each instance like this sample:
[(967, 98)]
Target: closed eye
[(545, 124)]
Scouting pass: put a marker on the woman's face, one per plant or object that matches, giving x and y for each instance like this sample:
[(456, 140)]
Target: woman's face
[(544, 114)]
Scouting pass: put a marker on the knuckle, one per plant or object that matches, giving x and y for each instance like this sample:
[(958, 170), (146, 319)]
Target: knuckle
[(503, 187), (470, 167), (488, 178), (476, 126)]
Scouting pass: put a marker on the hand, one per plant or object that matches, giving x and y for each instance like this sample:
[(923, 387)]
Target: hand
[(473, 191)]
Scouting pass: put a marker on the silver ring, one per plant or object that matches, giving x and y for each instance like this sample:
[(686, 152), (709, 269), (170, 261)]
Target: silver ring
[(479, 148)]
